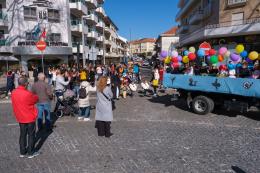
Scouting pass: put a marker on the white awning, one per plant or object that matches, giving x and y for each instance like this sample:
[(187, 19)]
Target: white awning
[(8, 58)]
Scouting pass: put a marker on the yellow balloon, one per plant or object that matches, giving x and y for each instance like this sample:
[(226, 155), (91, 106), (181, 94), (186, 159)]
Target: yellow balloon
[(259, 56), (185, 59), (240, 48), (253, 55), (192, 49), (167, 60)]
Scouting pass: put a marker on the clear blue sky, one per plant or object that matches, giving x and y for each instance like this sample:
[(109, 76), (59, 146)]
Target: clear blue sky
[(145, 18)]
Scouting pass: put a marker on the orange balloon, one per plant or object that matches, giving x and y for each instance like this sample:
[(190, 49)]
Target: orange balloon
[(220, 58)]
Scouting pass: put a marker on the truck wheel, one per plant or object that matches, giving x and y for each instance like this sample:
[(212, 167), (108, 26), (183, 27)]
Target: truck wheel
[(202, 105)]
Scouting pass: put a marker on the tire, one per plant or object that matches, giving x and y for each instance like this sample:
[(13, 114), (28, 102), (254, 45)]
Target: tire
[(59, 113), (202, 105)]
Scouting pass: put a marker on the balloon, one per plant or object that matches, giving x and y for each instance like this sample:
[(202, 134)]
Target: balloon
[(259, 56), (185, 59), (222, 67), (167, 60), (192, 56), (231, 66), (249, 60), (240, 48), (222, 50), (201, 53), (179, 58), (208, 58), (234, 57), (227, 54), (161, 58), (186, 53), (175, 53), (212, 52), (214, 59), (164, 54), (175, 65), (220, 58), (192, 49), (244, 54), (175, 60), (253, 55)]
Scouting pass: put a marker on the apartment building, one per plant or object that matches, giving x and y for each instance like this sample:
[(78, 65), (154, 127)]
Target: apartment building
[(72, 28), (142, 47), (115, 45), (220, 22), (167, 41), (21, 25)]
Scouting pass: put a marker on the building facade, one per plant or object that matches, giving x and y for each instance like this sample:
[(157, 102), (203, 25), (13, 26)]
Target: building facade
[(71, 29), (167, 41), (142, 47), (220, 22)]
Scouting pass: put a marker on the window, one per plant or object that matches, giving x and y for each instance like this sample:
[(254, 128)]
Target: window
[(54, 37), (29, 36), (53, 15), (29, 13)]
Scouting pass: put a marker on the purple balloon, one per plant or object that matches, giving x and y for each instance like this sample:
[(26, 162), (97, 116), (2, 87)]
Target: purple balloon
[(249, 60), (208, 58), (179, 58), (164, 54), (234, 57)]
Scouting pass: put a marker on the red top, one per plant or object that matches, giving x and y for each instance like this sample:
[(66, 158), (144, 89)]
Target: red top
[(23, 102), (161, 74)]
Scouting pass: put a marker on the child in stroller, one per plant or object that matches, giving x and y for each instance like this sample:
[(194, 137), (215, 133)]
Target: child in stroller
[(68, 103)]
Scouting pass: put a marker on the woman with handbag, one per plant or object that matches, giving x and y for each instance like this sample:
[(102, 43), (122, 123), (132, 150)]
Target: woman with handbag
[(104, 112)]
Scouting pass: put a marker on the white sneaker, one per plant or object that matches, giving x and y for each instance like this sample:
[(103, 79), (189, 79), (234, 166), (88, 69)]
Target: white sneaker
[(35, 154), (86, 119), (80, 118), (22, 155)]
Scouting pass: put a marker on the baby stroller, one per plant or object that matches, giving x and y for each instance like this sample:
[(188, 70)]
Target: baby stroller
[(68, 103)]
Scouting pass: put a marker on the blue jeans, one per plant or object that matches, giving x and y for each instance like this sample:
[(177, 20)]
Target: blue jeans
[(44, 108), (76, 91), (85, 112)]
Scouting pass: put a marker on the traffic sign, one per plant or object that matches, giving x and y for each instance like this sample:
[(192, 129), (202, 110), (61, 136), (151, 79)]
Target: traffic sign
[(205, 46), (41, 45)]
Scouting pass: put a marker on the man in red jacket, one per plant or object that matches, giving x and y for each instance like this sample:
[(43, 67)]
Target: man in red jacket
[(23, 102)]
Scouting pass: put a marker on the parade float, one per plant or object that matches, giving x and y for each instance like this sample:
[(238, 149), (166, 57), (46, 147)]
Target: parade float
[(204, 93)]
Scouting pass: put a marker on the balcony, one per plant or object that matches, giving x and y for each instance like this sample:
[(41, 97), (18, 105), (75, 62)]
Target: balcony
[(186, 7), (100, 39), (108, 42), (100, 53), (76, 26), (236, 3), (75, 49), (107, 31), (92, 35), (92, 4), (196, 18), (78, 7), (100, 26), (100, 12), (182, 29), (91, 19), (3, 19)]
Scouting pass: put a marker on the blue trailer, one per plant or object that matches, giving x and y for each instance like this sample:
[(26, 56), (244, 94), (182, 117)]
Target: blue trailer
[(203, 93)]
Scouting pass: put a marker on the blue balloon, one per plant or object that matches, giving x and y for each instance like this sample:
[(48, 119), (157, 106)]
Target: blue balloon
[(231, 66), (201, 53), (244, 54), (186, 53)]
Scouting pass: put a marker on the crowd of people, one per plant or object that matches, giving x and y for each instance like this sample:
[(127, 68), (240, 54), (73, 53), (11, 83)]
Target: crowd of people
[(31, 101)]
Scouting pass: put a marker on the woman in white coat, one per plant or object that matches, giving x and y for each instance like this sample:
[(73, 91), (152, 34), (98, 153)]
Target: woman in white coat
[(104, 112), (83, 101)]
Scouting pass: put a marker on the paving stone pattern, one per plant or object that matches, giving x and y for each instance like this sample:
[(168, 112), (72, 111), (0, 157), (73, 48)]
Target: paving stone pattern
[(150, 136)]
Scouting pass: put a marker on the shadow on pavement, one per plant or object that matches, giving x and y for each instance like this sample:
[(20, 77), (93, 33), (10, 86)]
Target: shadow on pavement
[(43, 134), (237, 169), (181, 104)]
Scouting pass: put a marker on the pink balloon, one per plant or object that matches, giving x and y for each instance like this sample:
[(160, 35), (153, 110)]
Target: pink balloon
[(222, 50)]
